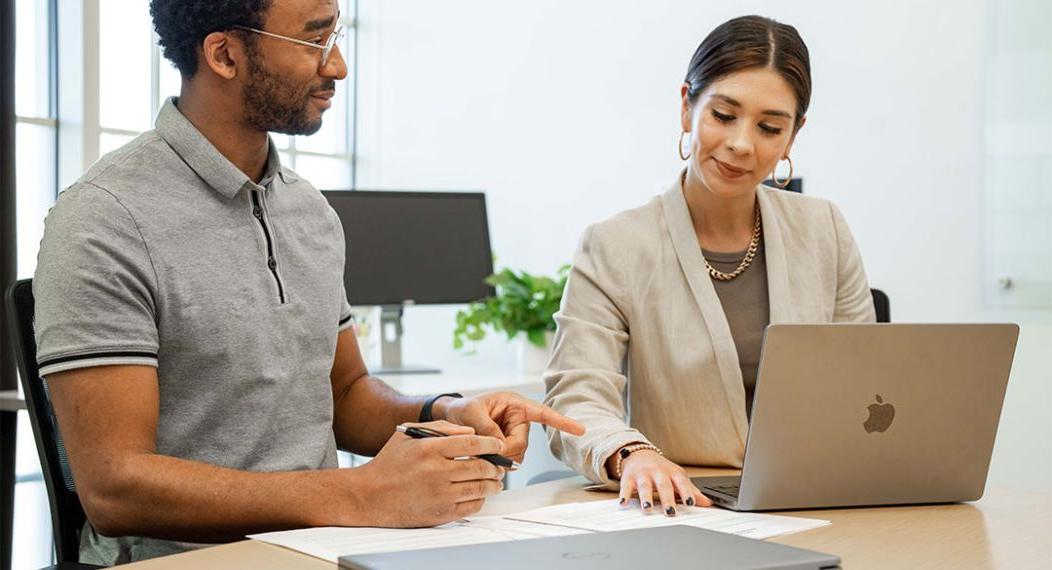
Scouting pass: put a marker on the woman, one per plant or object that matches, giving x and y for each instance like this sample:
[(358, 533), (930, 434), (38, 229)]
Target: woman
[(666, 304)]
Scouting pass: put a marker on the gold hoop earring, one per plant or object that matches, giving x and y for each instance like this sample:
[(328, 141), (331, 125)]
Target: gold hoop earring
[(681, 157), (784, 183)]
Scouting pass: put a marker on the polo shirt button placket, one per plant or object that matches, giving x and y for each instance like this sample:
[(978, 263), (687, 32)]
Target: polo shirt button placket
[(272, 264)]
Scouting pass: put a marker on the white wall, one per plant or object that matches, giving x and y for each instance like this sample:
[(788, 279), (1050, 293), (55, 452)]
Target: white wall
[(565, 112)]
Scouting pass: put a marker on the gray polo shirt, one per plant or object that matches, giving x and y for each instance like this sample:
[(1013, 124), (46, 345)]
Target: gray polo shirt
[(165, 254)]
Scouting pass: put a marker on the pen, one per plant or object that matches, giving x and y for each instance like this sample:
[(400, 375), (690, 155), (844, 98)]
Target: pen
[(422, 432)]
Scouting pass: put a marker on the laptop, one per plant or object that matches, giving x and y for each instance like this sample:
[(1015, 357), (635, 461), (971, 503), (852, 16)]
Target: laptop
[(871, 414), (675, 546)]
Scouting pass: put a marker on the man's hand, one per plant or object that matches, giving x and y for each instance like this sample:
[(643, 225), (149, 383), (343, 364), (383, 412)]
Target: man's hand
[(428, 482), (505, 416)]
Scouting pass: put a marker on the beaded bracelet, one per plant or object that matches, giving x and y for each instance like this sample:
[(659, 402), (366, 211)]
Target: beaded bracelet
[(627, 450)]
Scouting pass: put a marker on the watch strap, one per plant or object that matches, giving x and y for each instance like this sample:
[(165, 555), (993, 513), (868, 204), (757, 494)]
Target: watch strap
[(425, 412)]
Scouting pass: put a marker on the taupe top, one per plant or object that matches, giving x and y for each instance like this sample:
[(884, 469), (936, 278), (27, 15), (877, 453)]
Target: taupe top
[(644, 351), (744, 302)]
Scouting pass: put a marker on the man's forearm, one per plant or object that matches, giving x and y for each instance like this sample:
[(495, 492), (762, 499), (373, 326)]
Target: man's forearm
[(176, 499), (368, 412)]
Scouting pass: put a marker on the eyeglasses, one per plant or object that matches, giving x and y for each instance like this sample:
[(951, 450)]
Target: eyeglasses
[(326, 48)]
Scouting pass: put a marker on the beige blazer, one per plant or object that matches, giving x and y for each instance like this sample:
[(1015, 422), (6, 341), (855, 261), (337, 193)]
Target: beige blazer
[(640, 324)]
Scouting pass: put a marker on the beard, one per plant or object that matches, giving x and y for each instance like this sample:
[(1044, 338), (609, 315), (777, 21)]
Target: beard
[(274, 104)]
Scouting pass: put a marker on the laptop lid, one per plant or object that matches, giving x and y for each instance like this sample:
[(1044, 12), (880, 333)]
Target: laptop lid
[(875, 414), (663, 547)]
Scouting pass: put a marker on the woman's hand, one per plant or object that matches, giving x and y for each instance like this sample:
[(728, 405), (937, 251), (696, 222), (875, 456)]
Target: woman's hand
[(646, 471), (505, 416)]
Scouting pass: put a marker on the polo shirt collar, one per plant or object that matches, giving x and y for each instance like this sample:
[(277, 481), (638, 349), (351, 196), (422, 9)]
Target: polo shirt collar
[(205, 160)]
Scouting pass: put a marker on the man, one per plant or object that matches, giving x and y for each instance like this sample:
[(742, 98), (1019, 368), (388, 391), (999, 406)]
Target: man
[(194, 332)]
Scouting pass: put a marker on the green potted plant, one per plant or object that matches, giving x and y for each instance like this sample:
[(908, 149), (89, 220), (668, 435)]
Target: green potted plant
[(523, 303)]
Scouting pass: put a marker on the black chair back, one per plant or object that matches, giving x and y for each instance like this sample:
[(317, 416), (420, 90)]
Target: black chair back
[(882, 305), (67, 515)]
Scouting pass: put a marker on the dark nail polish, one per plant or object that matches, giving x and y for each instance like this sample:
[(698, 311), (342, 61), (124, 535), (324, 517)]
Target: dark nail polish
[(671, 511), (690, 501), (646, 504), (622, 501)]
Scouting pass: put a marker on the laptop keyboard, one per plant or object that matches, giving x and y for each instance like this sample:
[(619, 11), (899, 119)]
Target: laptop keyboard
[(731, 490)]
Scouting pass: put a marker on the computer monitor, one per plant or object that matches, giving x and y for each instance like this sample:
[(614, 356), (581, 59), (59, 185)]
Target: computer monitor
[(795, 185), (406, 248)]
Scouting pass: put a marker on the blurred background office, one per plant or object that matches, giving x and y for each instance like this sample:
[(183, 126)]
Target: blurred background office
[(930, 127)]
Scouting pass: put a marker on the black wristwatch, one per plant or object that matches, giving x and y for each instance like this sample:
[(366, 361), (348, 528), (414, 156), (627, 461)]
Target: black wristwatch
[(425, 412)]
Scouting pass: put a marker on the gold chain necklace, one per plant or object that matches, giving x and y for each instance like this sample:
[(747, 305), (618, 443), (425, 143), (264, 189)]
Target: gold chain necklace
[(750, 253)]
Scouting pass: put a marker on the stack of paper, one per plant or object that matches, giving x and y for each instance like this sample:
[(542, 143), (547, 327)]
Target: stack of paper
[(329, 543), (600, 516)]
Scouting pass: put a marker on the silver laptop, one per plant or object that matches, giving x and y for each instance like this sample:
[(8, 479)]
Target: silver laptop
[(871, 414), (661, 547)]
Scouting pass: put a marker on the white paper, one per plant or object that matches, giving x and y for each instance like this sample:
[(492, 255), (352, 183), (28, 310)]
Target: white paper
[(600, 516), (329, 543)]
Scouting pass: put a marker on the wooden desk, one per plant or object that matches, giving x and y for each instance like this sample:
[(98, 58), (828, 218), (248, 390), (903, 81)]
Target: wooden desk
[(11, 401), (467, 380), (1003, 530)]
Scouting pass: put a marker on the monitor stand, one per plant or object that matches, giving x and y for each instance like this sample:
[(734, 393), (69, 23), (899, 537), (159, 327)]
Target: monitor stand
[(391, 345)]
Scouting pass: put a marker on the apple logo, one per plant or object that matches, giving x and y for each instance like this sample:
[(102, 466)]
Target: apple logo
[(880, 416)]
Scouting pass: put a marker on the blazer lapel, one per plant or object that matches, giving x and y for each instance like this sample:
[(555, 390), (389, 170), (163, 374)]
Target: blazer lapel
[(781, 309), (692, 262)]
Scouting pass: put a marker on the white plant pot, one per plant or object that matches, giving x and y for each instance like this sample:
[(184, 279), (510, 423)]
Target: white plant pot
[(532, 358)]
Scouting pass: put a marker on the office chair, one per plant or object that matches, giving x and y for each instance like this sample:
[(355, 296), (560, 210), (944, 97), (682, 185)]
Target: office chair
[(67, 515), (882, 305)]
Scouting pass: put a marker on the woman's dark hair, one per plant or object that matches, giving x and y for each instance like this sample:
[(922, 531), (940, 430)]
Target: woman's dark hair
[(182, 25), (748, 42)]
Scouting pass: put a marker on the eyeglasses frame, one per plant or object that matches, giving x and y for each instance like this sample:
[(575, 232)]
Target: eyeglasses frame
[(326, 48)]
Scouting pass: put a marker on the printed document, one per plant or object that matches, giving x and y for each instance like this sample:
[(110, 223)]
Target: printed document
[(329, 543), (600, 516)]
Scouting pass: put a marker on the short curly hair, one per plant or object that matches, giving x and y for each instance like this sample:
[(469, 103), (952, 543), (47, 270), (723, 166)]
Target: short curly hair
[(182, 25)]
